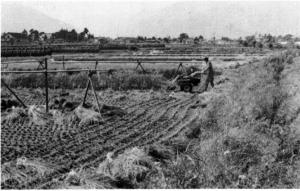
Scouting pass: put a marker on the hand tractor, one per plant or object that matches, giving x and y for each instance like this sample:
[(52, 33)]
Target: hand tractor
[(185, 83)]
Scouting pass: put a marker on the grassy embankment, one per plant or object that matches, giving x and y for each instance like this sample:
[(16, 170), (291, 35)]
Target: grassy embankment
[(243, 139)]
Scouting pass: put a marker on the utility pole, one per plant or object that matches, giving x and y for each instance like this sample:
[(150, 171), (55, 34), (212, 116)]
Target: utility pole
[(46, 85)]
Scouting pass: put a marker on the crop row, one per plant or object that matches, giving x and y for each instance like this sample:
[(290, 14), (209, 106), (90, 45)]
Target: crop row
[(70, 145)]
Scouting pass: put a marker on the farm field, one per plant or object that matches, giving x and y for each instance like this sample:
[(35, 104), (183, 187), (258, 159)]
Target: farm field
[(150, 117), (149, 95), (127, 61), (55, 146)]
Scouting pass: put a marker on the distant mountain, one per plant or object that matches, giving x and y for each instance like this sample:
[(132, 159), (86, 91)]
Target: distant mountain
[(232, 19), (208, 18), (16, 18)]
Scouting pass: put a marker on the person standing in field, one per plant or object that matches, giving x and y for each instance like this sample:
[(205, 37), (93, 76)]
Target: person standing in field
[(210, 74)]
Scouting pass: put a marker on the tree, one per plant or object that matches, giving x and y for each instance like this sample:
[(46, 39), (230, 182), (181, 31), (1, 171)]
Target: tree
[(90, 36), (196, 40), (72, 35), (140, 38), (85, 30), (34, 35), (25, 33), (259, 45), (103, 40), (31, 31), (167, 39), (240, 41), (183, 36), (85, 34), (81, 36), (245, 43), (251, 40), (226, 39), (288, 37), (269, 38), (45, 37), (69, 36), (201, 38)]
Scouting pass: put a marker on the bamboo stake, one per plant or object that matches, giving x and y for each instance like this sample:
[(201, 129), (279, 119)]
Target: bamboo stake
[(86, 91), (140, 65), (96, 97), (52, 71), (179, 66), (46, 85), (2, 81), (63, 62)]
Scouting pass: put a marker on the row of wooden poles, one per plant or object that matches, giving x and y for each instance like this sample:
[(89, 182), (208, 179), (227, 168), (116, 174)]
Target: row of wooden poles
[(46, 71), (89, 82)]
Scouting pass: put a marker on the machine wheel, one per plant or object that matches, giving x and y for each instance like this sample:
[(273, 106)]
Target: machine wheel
[(186, 88)]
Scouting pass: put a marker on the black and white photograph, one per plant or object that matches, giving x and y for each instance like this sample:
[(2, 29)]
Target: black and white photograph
[(150, 94)]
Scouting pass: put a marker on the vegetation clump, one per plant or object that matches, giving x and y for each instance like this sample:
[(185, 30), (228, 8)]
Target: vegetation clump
[(242, 140)]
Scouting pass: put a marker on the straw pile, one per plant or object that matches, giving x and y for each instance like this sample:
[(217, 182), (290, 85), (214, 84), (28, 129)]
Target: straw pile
[(129, 167)]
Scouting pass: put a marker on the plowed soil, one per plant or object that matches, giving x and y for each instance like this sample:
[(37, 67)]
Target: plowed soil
[(151, 117)]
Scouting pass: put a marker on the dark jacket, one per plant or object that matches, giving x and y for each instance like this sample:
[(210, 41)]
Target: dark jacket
[(210, 70)]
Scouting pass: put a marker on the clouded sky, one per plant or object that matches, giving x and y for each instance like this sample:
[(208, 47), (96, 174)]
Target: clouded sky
[(102, 17), (162, 18)]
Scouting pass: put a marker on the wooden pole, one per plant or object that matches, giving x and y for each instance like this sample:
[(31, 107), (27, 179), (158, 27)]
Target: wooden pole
[(40, 65), (89, 82), (179, 66), (46, 85), (51, 71), (86, 91), (2, 81), (63, 62), (137, 65), (140, 65), (96, 97), (143, 68), (96, 65), (65, 78)]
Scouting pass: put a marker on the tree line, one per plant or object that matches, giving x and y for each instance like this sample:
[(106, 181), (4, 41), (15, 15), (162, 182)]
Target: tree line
[(64, 34), (258, 41)]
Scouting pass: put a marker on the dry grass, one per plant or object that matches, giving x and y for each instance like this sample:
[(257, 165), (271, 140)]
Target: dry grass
[(16, 173), (242, 140), (118, 81), (87, 116), (38, 115), (130, 167), (15, 114)]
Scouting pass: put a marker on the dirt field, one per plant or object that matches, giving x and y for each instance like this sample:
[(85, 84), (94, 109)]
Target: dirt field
[(149, 117)]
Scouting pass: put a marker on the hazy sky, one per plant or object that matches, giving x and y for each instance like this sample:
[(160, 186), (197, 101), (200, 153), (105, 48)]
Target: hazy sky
[(131, 18)]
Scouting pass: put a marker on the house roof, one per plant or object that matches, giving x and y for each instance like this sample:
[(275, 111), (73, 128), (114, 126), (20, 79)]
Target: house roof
[(18, 35), (126, 38), (283, 42)]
